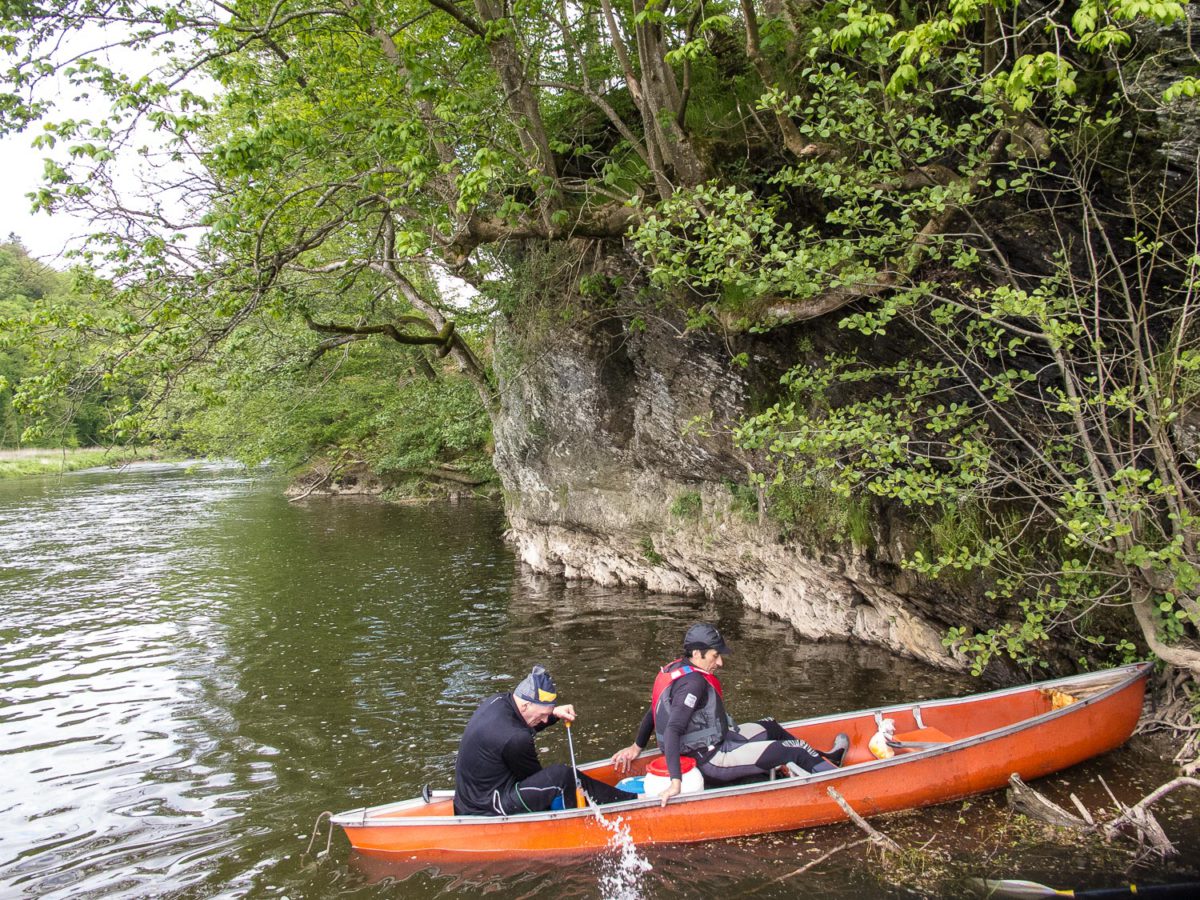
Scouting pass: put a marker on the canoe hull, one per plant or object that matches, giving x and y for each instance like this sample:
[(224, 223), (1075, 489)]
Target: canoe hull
[(1034, 746)]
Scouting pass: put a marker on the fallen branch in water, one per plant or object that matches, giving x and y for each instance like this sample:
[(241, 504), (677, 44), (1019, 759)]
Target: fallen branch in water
[(1140, 817), (878, 838), (332, 471), (312, 487), (1083, 811), (808, 865), (1147, 831), (1025, 800), (1176, 712)]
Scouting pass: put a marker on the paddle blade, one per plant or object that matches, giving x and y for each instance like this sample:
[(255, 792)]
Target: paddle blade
[(1011, 887)]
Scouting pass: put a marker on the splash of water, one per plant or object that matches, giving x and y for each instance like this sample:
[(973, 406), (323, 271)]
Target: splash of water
[(621, 866)]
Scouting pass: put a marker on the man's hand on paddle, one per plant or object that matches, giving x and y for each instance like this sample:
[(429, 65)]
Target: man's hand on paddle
[(673, 790), (624, 757), (565, 712)]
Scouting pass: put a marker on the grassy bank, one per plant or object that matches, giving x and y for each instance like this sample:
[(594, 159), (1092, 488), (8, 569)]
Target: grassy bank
[(33, 461)]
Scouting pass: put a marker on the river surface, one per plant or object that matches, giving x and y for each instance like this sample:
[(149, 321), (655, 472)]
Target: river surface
[(193, 669)]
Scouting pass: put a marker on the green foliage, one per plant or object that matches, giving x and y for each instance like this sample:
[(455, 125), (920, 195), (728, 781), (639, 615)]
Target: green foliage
[(1008, 388), (651, 555), (1185, 87), (688, 505), (740, 247), (35, 410), (743, 500), (372, 406), (808, 510)]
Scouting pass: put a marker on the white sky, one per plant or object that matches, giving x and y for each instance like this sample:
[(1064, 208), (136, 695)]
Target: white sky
[(47, 235), (21, 173)]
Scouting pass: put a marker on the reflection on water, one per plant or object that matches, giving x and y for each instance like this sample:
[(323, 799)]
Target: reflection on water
[(193, 669)]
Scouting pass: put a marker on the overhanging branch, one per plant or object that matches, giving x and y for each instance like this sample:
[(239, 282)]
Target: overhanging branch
[(780, 311), (346, 334)]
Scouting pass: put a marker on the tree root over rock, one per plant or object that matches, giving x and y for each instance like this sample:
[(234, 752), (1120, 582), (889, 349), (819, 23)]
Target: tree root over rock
[(1178, 713)]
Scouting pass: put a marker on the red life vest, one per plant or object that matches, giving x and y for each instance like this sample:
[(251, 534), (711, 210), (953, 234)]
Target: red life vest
[(706, 726), (670, 673)]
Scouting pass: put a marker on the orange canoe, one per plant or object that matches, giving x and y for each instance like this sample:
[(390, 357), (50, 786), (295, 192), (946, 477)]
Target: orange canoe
[(958, 748)]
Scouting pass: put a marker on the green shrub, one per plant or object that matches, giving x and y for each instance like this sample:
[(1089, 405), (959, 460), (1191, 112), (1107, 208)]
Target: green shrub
[(688, 505)]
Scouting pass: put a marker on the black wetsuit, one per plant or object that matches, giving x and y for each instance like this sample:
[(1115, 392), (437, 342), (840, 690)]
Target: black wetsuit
[(742, 751), (498, 773)]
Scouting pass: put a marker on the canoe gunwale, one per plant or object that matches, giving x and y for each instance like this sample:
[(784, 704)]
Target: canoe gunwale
[(1120, 678)]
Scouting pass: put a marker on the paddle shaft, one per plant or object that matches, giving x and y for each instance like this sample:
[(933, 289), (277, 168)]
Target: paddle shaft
[(571, 747), (1148, 890), (1030, 889)]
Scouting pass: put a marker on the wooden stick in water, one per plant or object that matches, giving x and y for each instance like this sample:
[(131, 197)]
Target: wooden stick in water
[(877, 837)]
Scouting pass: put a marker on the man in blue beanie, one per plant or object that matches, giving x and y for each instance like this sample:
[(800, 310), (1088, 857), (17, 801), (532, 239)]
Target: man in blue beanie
[(497, 772)]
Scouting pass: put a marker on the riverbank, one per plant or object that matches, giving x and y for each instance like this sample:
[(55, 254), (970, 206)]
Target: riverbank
[(356, 478), (58, 461)]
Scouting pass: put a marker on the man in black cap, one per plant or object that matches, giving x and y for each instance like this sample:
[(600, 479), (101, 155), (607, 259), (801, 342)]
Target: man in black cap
[(497, 772), (687, 715)]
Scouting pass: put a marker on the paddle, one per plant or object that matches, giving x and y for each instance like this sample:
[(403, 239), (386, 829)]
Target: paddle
[(1009, 887), (574, 771)]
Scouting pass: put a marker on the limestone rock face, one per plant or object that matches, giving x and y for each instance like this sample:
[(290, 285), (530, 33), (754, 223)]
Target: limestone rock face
[(1168, 52), (608, 478)]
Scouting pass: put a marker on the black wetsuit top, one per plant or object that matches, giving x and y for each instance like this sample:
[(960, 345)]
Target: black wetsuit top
[(495, 753), (694, 683)]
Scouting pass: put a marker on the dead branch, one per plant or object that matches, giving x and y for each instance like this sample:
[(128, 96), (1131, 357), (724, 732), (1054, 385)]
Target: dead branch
[(809, 865), (334, 468), (1147, 831), (1025, 800), (1138, 816), (443, 339), (1083, 811), (878, 838)]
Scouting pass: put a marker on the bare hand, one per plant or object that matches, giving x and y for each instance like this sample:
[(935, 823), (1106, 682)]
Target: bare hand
[(623, 759), (565, 712), (673, 790)]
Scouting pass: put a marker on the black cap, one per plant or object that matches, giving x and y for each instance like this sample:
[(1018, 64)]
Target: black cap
[(703, 636)]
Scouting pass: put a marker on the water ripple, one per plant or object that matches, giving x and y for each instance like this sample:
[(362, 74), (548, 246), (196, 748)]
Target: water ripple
[(193, 668)]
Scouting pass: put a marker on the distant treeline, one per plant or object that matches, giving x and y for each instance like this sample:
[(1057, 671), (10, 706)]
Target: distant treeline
[(27, 289)]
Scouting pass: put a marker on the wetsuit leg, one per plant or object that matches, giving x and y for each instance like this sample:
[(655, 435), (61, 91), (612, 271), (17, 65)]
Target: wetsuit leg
[(764, 730), (770, 730), (601, 792), (738, 757), (538, 791)]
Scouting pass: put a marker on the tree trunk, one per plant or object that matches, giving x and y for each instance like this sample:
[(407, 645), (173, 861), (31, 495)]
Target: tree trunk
[(1142, 600)]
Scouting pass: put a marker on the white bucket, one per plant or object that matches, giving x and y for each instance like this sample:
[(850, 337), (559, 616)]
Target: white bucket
[(657, 780)]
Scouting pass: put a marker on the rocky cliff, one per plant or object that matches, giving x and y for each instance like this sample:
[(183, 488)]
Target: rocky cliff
[(614, 451)]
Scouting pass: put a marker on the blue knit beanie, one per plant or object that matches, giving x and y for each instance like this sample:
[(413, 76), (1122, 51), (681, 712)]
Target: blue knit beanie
[(537, 687)]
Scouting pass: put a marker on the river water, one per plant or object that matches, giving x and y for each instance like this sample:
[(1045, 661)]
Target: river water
[(192, 669)]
